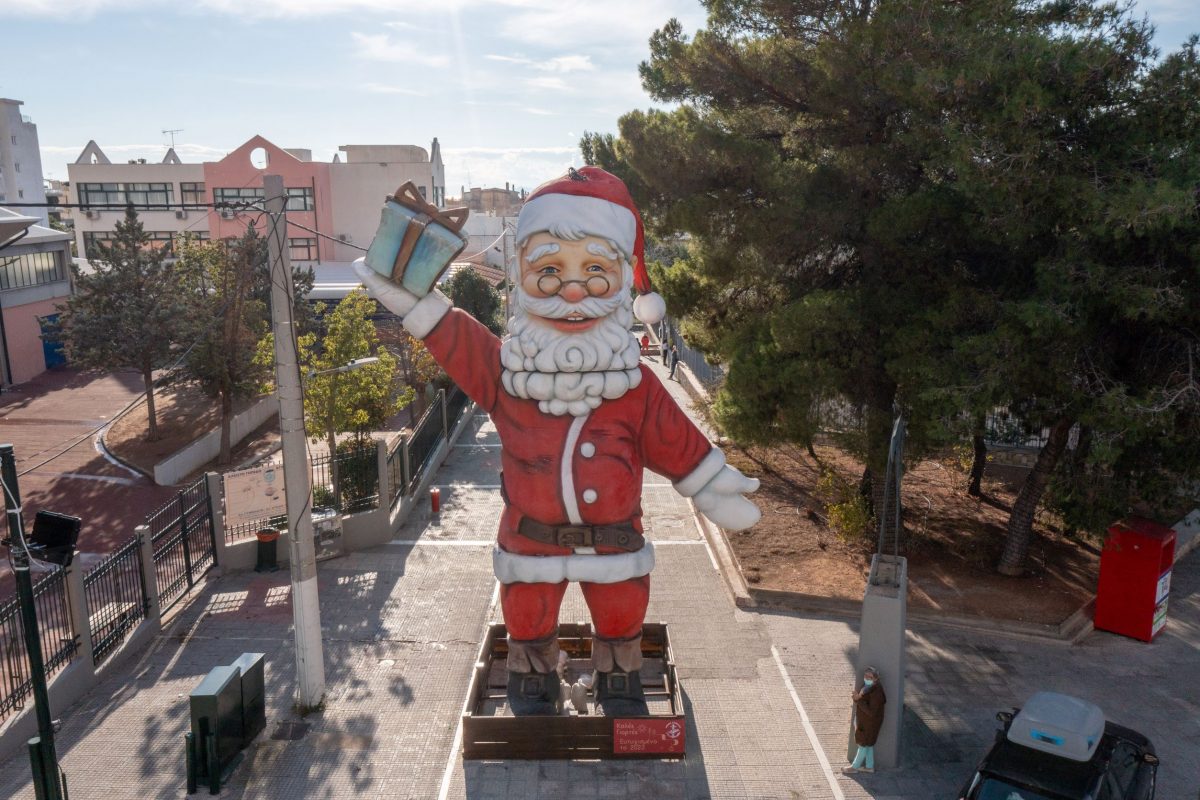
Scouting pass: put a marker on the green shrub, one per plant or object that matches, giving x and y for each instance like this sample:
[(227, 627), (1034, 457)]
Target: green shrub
[(845, 508)]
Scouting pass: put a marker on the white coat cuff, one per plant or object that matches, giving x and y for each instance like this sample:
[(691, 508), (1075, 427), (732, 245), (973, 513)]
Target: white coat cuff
[(698, 478), (427, 313), (513, 568)]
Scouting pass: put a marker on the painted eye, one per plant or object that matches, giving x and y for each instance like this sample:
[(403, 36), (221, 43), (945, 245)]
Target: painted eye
[(595, 268), (549, 269)]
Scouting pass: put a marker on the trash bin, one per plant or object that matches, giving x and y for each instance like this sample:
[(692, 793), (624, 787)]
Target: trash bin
[(268, 561), (1135, 578)]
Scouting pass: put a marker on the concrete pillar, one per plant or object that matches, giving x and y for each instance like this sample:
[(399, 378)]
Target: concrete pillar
[(217, 507), (385, 479), (881, 645), (81, 624), (149, 575)]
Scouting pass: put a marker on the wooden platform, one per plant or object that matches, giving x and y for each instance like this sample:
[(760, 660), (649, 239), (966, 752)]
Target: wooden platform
[(491, 732)]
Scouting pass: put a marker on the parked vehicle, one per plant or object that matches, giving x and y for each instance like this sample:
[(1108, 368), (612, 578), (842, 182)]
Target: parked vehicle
[(1059, 747)]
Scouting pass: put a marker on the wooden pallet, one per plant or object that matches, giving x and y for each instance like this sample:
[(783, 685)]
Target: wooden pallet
[(491, 732)]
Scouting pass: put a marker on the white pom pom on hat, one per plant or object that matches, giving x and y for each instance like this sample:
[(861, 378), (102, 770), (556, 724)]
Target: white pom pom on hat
[(599, 203)]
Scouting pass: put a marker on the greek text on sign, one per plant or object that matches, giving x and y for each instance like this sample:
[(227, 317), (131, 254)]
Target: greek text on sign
[(254, 495), (649, 736)]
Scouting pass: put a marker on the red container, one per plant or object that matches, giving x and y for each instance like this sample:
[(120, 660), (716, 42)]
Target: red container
[(435, 499), (1135, 578)]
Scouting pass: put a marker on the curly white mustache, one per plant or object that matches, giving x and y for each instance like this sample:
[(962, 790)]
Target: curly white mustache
[(570, 373)]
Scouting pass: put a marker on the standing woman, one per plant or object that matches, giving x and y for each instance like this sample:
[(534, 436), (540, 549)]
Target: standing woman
[(868, 719)]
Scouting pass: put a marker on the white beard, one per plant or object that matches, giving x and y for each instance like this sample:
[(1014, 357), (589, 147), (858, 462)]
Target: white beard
[(570, 373)]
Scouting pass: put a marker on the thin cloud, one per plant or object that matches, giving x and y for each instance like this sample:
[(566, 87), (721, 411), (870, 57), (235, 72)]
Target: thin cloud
[(380, 88), (563, 64), (381, 47), (541, 112), (557, 84)]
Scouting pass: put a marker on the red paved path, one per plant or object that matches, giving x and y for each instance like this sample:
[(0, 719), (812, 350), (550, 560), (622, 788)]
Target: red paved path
[(41, 419)]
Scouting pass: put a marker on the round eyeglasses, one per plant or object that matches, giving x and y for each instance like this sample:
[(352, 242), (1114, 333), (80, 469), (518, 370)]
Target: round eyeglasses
[(550, 284)]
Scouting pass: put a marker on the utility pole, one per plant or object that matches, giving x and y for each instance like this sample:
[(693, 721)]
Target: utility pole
[(46, 775), (306, 611)]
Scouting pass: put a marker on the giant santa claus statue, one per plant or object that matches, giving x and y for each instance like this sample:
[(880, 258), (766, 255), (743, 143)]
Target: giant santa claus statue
[(579, 418)]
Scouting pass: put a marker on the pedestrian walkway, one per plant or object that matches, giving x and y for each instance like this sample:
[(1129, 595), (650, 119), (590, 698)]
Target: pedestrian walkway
[(52, 422), (767, 694)]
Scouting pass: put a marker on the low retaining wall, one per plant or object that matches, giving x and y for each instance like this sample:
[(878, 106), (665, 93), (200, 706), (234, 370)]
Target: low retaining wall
[(174, 469)]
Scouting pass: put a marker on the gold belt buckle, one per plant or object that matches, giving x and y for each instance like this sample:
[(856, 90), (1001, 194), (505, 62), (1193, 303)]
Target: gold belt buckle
[(574, 536)]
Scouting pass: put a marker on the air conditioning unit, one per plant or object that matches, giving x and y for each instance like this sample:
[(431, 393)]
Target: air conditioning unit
[(227, 213), (345, 237), (181, 214), (92, 214)]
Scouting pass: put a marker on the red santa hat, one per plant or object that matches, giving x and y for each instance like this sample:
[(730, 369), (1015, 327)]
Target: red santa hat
[(596, 203)]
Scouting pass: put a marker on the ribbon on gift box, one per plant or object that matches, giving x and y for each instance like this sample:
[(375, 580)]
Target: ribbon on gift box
[(425, 214)]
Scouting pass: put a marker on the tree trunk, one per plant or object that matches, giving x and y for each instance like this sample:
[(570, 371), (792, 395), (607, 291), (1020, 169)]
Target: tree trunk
[(1020, 521), (331, 441), (975, 489), (151, 414), (874, 480), (226, 455)]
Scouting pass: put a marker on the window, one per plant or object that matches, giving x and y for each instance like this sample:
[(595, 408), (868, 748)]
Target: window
[(119, 195), (300, 199), (421, 189), (227, 195), (191, 194), (14, 138), (31, 269), (302, 249), (17, 166), (159, 240), (20, 194)]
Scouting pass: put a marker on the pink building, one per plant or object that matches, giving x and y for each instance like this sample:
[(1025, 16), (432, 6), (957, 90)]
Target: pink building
[(34, 279), (236, 179)]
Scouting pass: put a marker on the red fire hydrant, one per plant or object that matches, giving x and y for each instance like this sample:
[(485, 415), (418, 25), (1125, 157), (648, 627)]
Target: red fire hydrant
[(435, 499)]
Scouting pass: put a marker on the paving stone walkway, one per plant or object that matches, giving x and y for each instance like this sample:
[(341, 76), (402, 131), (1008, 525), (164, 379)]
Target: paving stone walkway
[(766, 692)]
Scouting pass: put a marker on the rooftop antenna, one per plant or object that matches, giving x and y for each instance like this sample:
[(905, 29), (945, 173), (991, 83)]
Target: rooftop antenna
[(172, 133)]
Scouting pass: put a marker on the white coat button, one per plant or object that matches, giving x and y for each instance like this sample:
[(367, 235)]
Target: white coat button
[(589, 495), (587, 449)]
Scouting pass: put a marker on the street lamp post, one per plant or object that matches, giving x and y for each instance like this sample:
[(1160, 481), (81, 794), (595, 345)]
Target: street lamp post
[(46, 775)]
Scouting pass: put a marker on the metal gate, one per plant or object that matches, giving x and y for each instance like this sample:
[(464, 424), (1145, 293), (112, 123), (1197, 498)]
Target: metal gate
[(184, 548)]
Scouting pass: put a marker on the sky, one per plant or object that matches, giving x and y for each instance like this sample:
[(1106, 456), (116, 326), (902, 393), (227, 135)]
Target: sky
[(506, 86)]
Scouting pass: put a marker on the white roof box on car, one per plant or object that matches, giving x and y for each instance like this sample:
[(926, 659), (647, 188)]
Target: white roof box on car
[(1060, 724)]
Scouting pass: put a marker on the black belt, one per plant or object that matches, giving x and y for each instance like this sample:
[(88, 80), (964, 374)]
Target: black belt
[(623, 536)]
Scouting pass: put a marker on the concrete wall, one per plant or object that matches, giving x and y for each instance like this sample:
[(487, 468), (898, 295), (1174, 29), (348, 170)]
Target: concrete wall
[(154, 221), (359, 190), (23, 336), (173, 470)]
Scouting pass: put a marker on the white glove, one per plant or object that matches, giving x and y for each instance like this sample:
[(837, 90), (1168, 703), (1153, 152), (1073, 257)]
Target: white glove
[(721, 500), (395, 298)]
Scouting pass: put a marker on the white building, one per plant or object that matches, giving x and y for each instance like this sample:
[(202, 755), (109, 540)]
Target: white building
[(20, 161)]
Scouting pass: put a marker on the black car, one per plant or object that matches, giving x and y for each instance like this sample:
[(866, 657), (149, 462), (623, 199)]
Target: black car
[(1061, 748)]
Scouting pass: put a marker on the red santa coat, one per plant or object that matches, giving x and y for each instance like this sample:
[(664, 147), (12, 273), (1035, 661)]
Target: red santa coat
[(563, 470)]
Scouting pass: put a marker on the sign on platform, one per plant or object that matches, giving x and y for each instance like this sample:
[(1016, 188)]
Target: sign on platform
[(255, 494), (648, 735)]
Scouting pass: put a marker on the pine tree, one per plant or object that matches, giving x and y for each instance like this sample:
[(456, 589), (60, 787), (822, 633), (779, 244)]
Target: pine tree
[(936, 208), (131, 312)]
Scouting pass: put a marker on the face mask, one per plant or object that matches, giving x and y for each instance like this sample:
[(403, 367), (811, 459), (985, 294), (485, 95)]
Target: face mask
[(868, 682)]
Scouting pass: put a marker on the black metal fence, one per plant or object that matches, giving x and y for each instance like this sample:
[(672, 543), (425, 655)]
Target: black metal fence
[(397, 476), (708, 374), (116, 598), (1005, 428), (423, 442), (59, 644), (182, 536), (357, 472), (456, 401)]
